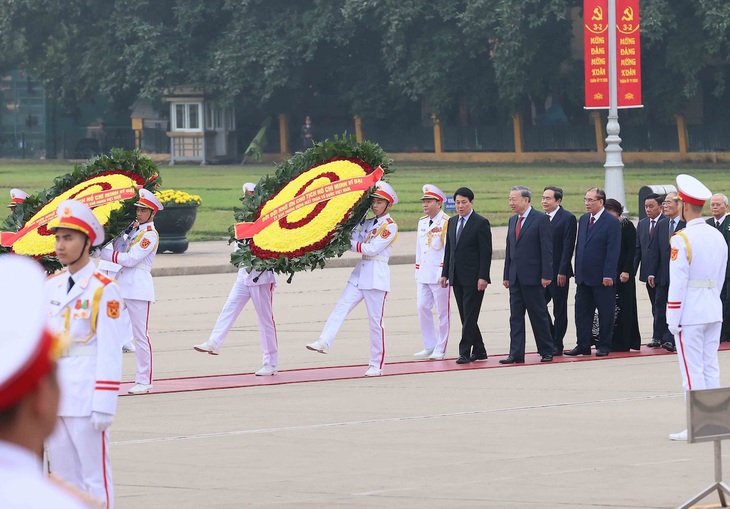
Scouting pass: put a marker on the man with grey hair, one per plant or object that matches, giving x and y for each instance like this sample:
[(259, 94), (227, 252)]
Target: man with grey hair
[(721, 220), (528, 270)]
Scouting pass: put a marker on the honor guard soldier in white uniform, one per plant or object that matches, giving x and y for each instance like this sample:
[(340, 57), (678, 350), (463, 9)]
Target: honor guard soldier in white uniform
[(370, 279), (29, 389), (84, 307), (135, 252), (259, 288), (430, 244), (16, 196), (110, 270), (696, 273)]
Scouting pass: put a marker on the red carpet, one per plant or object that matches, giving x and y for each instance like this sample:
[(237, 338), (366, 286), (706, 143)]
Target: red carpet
[(234, 381)]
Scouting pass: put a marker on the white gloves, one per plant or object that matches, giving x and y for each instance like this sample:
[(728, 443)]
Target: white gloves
[(675, 330), (96, 253), (101, 420)]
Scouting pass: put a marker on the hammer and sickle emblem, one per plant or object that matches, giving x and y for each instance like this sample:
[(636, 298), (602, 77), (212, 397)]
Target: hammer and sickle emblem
[(628, 14), (597, 14)]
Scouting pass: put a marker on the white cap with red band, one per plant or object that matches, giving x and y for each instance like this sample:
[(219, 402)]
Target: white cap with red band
[(248, 188), (17, 196), (148, 200), (74, 215), (386, 192), (691, 190), (432, 192), (27, 348)]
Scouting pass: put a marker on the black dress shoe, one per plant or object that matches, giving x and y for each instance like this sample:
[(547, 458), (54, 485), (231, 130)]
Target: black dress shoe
[(546, 358), (463, 360), (601, 353), (669, 347), (478, 357), (655, 343), (577, 351), (512, 360)]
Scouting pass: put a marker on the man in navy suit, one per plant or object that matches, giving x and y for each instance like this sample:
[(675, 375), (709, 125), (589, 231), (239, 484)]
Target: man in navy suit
[(528, 270), (645, 249), (596, 265), (721, 220), (467, 260), (564, 226), (671, 223)]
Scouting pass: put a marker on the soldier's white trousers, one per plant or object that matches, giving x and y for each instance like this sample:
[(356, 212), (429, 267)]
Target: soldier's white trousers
[(697, 352), (262, 298), (375, 304), (139, 315), (428, 296), (79, 454)]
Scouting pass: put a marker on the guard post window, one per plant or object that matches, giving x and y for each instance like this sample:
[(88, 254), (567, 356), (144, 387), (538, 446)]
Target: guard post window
[(187, 117)]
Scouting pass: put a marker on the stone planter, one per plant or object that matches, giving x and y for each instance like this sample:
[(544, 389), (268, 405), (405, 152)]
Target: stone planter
[(173, 224)]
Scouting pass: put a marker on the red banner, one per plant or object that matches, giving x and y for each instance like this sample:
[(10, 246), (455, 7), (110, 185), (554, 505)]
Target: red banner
[(595, 52), (628, 54), (7, 239), (311, 197)]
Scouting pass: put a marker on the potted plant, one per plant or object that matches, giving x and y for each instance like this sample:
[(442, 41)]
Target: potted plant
[(176, 219)]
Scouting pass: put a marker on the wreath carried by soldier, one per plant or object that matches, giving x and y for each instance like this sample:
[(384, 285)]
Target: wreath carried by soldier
[(109, 184), (302, 215)]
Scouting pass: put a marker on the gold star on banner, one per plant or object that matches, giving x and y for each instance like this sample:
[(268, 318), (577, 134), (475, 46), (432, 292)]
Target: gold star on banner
[(598, 96), (629, 96)]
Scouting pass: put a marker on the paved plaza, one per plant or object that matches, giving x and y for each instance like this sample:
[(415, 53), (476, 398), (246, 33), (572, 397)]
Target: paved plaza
[(569, 434)]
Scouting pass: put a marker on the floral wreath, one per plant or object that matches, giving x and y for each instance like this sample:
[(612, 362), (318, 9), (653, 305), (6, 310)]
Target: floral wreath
[(107, 183), (303, 215)]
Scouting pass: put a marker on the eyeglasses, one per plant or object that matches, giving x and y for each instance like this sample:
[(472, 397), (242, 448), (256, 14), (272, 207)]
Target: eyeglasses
[(669, 202), (589, 200)]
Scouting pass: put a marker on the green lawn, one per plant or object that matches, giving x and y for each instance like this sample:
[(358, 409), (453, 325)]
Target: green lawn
[(220, 186)]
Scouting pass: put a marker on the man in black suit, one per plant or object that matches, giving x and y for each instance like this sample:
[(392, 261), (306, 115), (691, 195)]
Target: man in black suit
[(564, 226), (645, 249), (670, 223), (528, 270), (721, 220), (467, 259), (596, 262)]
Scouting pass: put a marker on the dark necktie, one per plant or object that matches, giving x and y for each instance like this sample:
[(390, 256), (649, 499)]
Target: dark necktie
[(671, 228), (459, 229), (717, 224), (430, 222), (518, 227), (593, 220), (70, 284), (651, 228)]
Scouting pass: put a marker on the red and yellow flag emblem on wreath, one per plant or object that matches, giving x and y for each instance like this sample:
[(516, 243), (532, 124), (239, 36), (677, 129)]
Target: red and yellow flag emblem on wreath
[(304, 214), (145, 243), (674, 253), (112, 309)]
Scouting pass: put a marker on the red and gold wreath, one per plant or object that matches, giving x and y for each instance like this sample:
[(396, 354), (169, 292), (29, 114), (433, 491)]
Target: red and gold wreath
[(303, 215), (103, 192)]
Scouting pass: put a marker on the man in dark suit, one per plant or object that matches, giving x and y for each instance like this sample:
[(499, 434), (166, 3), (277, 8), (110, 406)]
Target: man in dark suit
[(721, 220), (528, 270), (596, 263), (670, 223), (645, 248), (467, 259), (564, 226)]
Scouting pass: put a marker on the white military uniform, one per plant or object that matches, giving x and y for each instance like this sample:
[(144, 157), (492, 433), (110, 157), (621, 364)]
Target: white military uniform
[(135, 252), (430, 244), (27, 357), (111, 269), (369, 281), (23, 485), (259, 288), (89, 374), (696, 274)]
